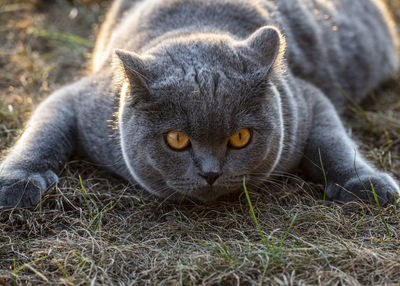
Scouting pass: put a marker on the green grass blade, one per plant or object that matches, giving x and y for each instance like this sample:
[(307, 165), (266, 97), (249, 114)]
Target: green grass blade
[(357, 108), (62, 37), (26, 265), (85, 198), (380, 210), (37, 273), (253, 214), (323, 173), (287, 231)]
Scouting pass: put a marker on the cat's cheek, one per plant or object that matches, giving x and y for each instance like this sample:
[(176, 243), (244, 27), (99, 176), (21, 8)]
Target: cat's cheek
[(265, 158), (168, 162), (243, 161), (147, 172)]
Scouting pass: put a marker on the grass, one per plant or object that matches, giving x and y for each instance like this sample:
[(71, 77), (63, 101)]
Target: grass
[(389, 233), (253, 214), (92, 228)]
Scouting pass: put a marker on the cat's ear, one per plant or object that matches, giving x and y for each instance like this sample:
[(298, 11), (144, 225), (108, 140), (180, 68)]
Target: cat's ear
[(134, 69), (266, 45)]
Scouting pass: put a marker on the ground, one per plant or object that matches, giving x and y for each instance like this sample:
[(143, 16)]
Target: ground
[(95, 228)]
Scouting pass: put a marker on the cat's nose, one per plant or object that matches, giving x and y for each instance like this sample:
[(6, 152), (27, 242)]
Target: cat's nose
[(210, 177)]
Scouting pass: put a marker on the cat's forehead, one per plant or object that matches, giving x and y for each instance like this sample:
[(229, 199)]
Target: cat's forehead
[(218, 83), (207, 103), (197, 80), (199, 50)]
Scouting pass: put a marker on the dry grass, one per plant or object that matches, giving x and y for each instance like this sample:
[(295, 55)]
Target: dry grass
[(107, 233)]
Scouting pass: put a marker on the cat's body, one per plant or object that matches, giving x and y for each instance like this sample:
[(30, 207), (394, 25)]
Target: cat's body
[(209, 68), (328, 41)]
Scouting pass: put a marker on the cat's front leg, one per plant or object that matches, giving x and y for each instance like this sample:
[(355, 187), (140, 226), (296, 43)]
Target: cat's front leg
[(329, 149), (31, 166)]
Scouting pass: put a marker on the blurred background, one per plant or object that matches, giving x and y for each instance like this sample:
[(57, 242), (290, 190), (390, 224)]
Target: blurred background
[(43, 45)]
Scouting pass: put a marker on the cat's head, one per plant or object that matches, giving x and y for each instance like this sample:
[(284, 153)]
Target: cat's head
[(200, 112)]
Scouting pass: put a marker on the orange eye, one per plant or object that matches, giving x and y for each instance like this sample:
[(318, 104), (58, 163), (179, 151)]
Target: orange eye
[(240, 139), (177, 140)]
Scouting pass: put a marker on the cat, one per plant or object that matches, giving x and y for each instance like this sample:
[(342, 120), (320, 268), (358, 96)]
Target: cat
[(189, 98)]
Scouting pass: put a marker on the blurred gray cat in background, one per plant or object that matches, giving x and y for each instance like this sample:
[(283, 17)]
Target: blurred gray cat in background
[(205, 93)]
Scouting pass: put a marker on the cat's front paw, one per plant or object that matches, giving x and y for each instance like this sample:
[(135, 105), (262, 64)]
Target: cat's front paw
[(359, 188), (23, 189)]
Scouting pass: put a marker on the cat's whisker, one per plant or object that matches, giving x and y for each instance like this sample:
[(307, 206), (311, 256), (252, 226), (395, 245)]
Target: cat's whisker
[(167, 198), (291, 177), (266, 185), (259, 187)]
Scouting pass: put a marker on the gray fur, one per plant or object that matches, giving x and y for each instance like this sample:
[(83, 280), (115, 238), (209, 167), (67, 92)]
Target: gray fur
[(209, 68)]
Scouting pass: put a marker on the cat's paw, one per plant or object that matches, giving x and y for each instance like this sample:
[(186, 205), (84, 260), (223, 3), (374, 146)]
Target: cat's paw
[(23, 189), (359, 188)]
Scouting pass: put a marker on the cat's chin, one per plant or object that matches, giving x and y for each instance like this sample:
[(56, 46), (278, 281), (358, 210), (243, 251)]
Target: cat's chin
[(206, 195)]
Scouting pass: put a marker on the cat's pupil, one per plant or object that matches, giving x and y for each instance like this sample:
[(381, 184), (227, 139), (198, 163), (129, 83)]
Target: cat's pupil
[(177, 137), (240, 136)]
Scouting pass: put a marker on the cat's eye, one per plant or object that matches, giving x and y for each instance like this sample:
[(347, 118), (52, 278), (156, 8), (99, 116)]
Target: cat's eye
[(240, 139), (177, 140)]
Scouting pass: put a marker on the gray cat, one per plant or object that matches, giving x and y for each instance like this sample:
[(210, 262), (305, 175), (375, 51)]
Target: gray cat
[(203, 93)]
